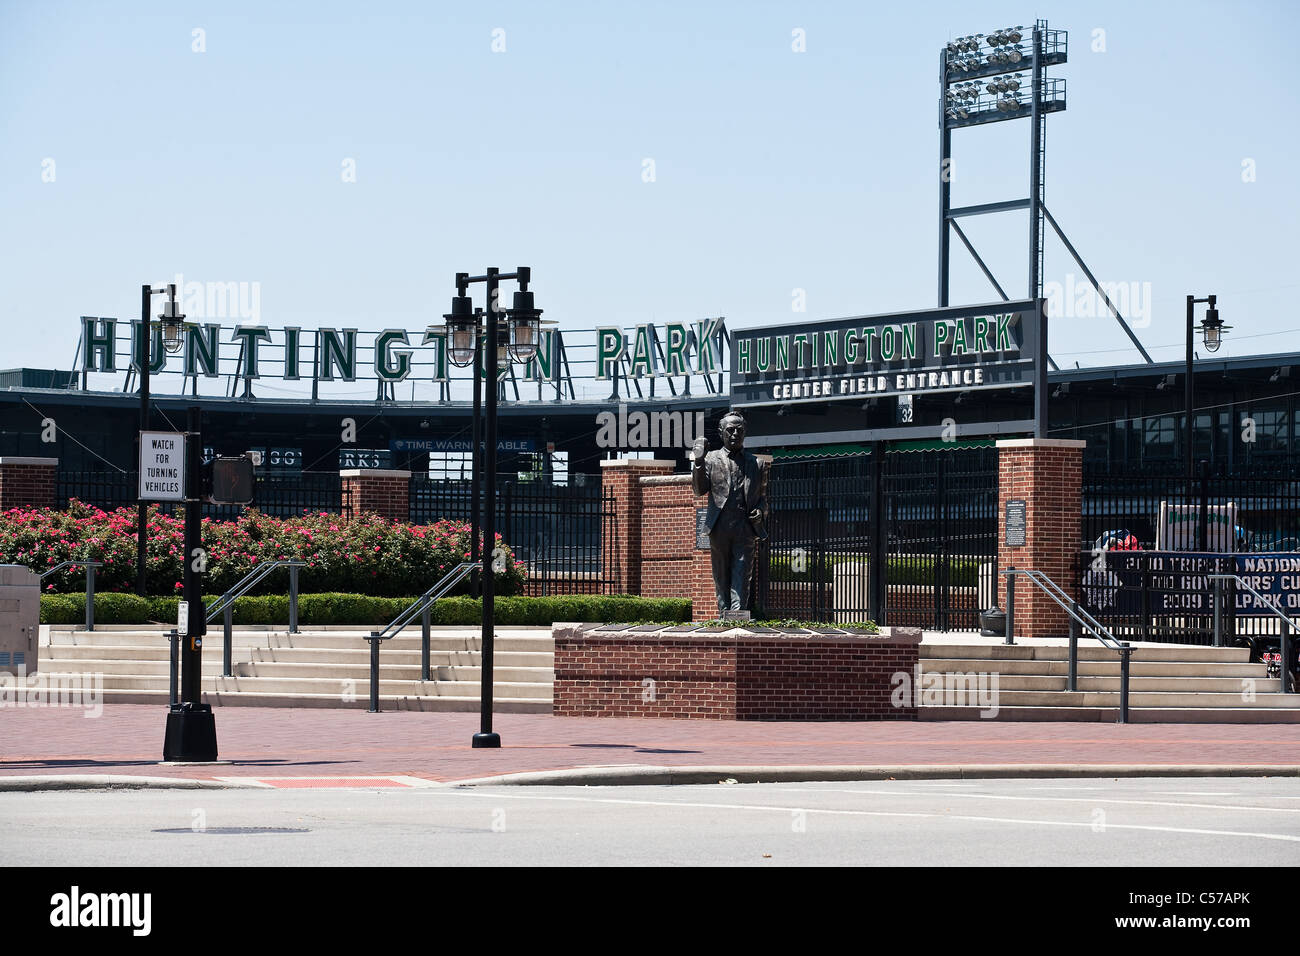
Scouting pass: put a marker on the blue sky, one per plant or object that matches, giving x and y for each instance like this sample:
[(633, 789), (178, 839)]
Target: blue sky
[(774, 170)]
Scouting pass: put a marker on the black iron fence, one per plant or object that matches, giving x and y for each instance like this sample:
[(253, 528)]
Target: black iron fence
[(281, 496), (557, 531), (109, 490), (1266, 510), (935, 546)]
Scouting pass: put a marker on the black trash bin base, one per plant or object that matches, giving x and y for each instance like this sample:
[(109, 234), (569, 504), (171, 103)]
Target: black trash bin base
[(191, 733), (993, 623)]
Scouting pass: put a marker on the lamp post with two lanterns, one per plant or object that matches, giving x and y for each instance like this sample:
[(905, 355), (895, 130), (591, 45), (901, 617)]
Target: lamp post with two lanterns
[(172, 321), (507, 335)]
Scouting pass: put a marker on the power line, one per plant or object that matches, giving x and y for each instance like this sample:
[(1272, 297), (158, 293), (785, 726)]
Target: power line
[(1195, 409), (73, 438)]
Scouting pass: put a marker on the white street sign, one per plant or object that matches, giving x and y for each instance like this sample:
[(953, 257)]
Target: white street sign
[(162, 466), (183, 618)]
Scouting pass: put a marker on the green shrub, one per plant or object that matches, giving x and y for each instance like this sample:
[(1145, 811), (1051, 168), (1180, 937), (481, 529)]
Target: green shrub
[(364, 610), (901, 569)]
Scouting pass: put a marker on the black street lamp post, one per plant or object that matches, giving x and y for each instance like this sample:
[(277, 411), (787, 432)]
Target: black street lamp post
[(463, 333), (1212, 329), (191, 728), (171, 320)]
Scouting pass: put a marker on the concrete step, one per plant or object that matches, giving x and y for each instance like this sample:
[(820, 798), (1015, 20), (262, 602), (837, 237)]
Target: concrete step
[(1137, 715), (150, 652), (1188, 685), (463, 704), (357, 670), (1096, 668), (390, 671), (1088, 651), (1196, 700), (286, 686), (85, 657), (316, 655), (448, 639)]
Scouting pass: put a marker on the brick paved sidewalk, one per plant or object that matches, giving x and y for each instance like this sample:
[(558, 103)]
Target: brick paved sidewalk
[(282, 742)]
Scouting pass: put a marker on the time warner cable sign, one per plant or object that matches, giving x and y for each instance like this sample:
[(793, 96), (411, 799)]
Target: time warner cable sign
[(907, 353)]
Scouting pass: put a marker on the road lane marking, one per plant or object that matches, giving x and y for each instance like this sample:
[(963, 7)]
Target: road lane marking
[(1001, 796), (496, 795)]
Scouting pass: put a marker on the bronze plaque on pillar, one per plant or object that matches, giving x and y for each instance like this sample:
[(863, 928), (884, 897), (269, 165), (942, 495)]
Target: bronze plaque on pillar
[(701, 529), (1015, 522)]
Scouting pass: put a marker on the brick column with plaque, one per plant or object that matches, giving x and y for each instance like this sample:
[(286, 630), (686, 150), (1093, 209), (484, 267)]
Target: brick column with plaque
[(675, 559), (621, 558), (1040, 525)]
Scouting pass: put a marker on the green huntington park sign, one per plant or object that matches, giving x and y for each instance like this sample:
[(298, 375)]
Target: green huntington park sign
[(329, 354), (954, 349), (290, 354)]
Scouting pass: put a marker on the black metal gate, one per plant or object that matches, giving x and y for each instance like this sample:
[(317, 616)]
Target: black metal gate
[(922, 564)]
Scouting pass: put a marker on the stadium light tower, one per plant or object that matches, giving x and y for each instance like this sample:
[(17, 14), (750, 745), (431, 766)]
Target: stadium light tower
[(991, 79)]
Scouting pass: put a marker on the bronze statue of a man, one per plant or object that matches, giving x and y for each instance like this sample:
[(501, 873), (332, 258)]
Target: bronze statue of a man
[(736, 483)]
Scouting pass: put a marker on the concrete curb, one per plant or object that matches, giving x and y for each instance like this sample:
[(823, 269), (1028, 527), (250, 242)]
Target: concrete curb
[(675, 776), (106, 781), (666, 776)]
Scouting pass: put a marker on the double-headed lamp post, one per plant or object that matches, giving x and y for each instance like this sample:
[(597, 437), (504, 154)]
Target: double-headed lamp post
[(172, 322), (507, 335), (1212, 329)]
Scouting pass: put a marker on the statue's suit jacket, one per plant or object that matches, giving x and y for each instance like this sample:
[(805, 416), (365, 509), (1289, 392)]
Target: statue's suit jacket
[(716, 483)]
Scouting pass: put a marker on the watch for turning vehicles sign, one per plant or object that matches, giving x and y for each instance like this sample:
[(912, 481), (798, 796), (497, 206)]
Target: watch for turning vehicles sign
[(162, 466)]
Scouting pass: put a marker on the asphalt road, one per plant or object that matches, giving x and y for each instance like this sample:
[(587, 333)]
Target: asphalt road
[(1133, 822)]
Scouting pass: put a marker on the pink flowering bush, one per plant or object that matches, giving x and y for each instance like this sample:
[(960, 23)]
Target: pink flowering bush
[(363, 555)]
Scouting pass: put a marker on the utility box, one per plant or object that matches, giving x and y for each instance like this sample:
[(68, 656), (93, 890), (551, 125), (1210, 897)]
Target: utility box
[(20, 618)]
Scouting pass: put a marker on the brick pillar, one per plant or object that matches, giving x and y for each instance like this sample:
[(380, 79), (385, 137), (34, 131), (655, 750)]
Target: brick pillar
[(27, 482), (621, 558), (671, 564), (382, 491), (1047, 474)]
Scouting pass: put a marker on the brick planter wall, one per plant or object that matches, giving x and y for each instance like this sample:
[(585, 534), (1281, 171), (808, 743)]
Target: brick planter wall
[(27, 483), (1047, 473), (730, 675), (383, 491)]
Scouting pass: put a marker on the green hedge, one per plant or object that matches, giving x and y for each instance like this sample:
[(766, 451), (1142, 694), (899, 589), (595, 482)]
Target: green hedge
[(901, 569), (365, 610)]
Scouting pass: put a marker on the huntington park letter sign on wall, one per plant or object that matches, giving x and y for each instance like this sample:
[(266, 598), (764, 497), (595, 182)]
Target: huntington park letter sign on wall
[(162, 466), (908, 353)]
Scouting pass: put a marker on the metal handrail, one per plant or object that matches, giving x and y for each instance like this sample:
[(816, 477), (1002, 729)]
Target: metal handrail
[(244, 584), (225, 604), (90, 584), (1078, 617), (1284, 641), (419, 606)]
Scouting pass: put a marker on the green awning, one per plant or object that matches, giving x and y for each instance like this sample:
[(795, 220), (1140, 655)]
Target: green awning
[(933, 444), (848, 448), (821, 451)]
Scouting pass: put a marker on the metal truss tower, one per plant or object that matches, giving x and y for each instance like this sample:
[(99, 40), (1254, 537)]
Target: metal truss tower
[(992, 79)]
